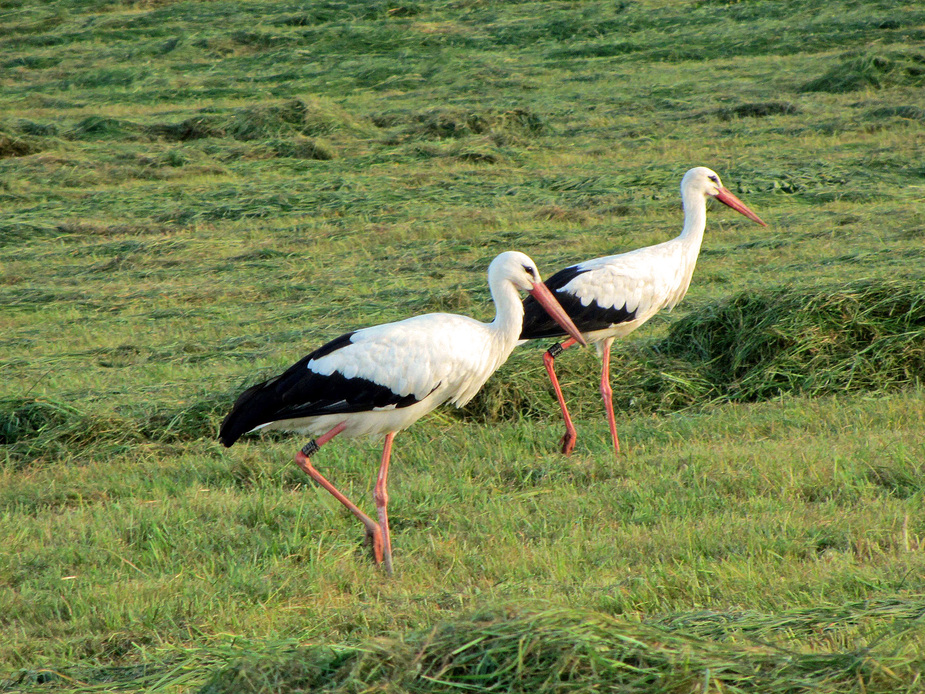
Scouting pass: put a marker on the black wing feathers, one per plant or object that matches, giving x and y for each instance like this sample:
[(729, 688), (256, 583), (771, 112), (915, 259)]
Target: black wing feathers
[(537, 322), (300, 392)]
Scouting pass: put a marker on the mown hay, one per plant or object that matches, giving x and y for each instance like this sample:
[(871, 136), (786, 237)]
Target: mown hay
[(30, 127), (21, 418), (103, 128), (562, 650), (33, 428), (301, 148), (795, 623), (905, 112), (311, 117), (38, 430), (577, 651), (444, 123), (199, 419), (865, 336), (254, 123), (760, 109), (877, 70), (12, 146)]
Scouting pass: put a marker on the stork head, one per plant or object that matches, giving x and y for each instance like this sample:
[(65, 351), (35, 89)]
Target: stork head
[(703, 181), (516, 268), (519, 270)]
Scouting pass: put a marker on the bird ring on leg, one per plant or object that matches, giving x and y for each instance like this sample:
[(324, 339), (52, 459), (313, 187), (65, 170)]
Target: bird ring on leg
[(310, 448)]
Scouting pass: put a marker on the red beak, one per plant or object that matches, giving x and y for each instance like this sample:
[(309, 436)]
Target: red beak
[(727, 198), (545, 299)]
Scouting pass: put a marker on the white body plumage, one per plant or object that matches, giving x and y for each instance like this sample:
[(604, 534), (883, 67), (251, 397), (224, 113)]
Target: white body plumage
[(436, 358), (643, 282)]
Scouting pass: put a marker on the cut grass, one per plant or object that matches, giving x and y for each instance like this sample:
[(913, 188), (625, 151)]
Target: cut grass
[(875, 645), (193, 195), (871, 70), (572, 651), (758, 507)]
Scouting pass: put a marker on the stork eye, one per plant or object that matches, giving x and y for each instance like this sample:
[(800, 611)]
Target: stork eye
[(530, 270), (713, 178)]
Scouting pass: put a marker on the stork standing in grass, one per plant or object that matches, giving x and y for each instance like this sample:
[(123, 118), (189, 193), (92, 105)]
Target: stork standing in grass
[(382, 379), (612, 296)]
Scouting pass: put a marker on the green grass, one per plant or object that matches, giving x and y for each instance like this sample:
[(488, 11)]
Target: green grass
[(192, 195)]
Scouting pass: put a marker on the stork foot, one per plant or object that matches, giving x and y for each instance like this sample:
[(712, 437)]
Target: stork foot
[(387, 563), (373, 540), (567, 443)]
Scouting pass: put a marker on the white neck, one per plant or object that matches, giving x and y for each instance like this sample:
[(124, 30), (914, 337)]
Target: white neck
[(695, 219), (509, 314)]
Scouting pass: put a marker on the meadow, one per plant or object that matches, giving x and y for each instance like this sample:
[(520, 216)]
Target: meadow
[(195, 194)]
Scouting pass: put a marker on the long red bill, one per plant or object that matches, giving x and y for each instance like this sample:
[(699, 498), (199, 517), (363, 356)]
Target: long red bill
[(546, 299), (727, 198)]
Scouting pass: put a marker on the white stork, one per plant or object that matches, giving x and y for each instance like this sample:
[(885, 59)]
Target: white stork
[(612, 296), (382, 379)]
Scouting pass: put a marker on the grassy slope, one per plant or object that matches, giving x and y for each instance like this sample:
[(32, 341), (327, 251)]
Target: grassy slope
[(148, 274)]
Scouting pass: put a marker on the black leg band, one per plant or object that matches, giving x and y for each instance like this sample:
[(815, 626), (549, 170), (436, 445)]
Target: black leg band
[(310, 448), (555, 350)]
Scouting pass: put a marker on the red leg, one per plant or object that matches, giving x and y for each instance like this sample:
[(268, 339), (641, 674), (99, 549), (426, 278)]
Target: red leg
[(607, 395), (382, 501), (568, 440), (373, 531)]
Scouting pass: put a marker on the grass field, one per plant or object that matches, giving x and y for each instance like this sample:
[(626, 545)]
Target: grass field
[(194, 194)]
